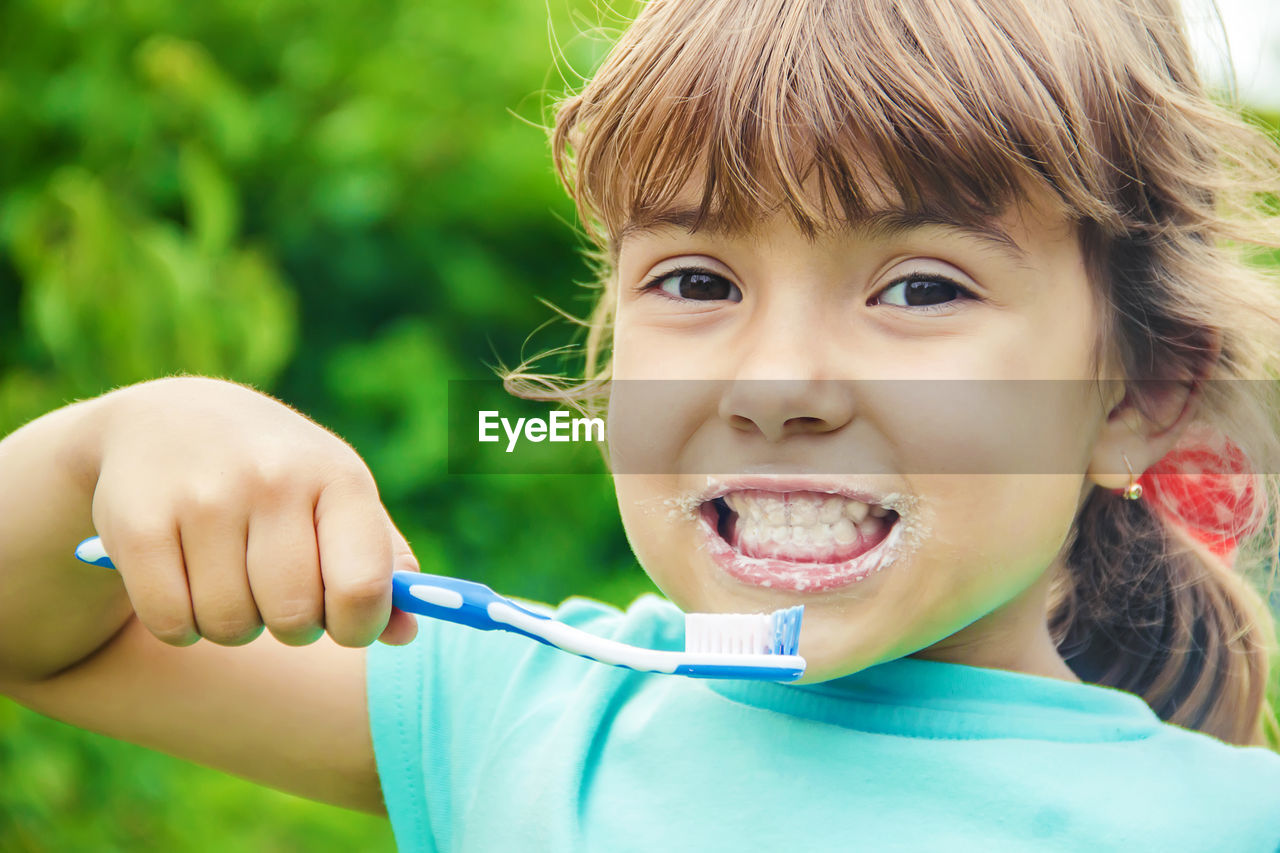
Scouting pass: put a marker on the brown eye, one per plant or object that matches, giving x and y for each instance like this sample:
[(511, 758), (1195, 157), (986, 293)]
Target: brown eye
[(696, 285), (922, 291)]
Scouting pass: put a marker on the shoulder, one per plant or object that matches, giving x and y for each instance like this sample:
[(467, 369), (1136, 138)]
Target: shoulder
[(1203, 749), (1238, 777)]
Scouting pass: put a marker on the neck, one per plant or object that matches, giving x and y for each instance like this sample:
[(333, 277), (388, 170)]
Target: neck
[(1014, 637)]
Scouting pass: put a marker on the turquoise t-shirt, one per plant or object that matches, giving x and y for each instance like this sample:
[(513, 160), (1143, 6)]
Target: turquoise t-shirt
[(488, 741)]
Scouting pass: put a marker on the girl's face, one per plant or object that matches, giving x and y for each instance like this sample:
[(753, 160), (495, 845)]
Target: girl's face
[(807, 454)]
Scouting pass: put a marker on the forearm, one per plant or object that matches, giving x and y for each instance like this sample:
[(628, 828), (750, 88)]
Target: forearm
[(54, 611)]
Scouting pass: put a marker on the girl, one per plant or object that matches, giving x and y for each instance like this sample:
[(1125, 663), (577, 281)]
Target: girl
[(1018, 635)]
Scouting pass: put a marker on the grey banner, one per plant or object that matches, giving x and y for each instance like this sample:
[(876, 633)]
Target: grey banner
[(863, 427)]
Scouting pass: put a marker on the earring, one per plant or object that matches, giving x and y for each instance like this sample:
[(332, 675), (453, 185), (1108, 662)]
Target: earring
[(1134, 489)]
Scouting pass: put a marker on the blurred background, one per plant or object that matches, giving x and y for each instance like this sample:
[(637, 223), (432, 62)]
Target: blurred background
[(344, 205)]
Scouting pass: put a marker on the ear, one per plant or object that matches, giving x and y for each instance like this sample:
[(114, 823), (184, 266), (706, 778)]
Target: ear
[(1143, 426)]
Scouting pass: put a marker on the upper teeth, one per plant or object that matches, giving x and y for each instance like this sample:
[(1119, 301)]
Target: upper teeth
[(800, 509), (803, 519)]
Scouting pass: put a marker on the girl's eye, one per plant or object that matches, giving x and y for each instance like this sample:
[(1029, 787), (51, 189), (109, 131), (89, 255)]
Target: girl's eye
[(695, 285), (923, 292)]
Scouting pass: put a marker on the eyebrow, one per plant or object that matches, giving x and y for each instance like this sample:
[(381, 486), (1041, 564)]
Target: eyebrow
[(884, 224)]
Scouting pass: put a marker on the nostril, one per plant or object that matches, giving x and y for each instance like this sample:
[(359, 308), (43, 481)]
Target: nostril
[(804, 424)]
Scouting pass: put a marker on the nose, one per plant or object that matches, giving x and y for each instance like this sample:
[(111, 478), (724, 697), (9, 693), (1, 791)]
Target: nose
[(785, 384)]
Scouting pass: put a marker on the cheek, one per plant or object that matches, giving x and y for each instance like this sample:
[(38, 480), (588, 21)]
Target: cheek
[(637, 500), (986, 427), (1000, 465), (661, 343), (993, 518), (647, 349), (624, 359), (992, 537), (656, 427), (650, 515)]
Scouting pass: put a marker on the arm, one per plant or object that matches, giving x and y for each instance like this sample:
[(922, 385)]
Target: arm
[(224, 511), (292, 718), (46, 484)]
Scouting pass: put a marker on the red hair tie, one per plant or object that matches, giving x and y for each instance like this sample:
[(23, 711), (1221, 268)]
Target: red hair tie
[(1206, 486)]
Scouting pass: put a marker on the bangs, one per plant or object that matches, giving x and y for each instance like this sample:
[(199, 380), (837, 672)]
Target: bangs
[(831, 111)]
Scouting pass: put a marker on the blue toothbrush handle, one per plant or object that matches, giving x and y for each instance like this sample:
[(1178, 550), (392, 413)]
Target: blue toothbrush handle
[(91, 551), (437, 596), (453, 600)]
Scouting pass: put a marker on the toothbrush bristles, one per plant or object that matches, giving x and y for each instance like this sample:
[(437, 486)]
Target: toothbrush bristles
[(786, 630), (776, 633)]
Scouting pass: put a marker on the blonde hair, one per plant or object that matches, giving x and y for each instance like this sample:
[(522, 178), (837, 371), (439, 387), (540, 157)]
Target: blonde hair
[(958, 108)]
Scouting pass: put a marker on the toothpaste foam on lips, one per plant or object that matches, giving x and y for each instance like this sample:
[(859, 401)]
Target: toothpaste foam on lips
[(802, 540)]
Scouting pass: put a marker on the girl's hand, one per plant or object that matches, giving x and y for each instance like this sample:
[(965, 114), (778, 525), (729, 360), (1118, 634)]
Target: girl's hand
[(225, 510)]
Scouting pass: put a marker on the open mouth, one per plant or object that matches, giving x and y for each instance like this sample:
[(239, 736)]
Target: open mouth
[(797, 540)]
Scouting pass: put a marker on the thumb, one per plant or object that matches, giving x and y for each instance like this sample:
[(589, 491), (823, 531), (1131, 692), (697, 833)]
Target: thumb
[(401, 627)]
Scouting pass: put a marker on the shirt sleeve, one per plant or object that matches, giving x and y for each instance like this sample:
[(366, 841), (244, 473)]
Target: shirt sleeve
[(394, 686)]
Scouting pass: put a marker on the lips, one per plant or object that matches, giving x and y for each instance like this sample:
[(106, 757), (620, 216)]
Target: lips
[(798, 539)]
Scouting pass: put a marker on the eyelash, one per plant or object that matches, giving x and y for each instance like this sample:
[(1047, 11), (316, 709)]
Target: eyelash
[(653, 284), (964, 294)]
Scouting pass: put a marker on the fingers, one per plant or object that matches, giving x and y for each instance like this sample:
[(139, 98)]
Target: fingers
[(288, 581), (401, 627), (156, 581), (284, 572), (355, 560), (213, 547), (238, 560)]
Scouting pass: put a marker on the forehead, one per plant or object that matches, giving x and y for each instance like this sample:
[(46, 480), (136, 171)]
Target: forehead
[(994, 232)]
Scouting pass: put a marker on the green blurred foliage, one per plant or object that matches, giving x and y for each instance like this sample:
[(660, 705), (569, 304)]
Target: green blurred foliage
[(345, 205)]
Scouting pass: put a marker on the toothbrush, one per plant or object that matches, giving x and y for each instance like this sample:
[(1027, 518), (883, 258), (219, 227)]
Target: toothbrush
[(754, 646)]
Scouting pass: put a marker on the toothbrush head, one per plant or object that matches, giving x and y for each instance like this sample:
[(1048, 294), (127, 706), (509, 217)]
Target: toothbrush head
[(776, 633)]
